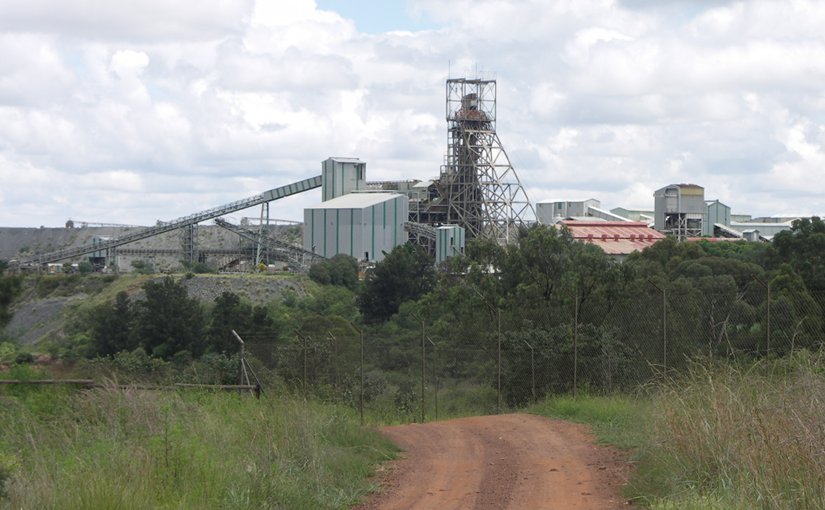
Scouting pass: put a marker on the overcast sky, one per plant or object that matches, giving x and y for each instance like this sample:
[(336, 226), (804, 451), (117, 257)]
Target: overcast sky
[(138, 110)]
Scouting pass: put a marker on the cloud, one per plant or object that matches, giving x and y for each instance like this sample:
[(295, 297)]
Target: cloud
[(127, 20), (196, 104)]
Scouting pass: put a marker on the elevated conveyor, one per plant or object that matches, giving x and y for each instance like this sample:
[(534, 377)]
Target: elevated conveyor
[(298, 256), (420, 229), (192, 219)]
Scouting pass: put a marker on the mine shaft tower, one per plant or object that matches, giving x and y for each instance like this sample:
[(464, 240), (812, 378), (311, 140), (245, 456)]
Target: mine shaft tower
[(478, 187)]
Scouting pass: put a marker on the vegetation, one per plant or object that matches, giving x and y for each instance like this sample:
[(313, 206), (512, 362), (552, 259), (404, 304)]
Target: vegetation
[(720, 436), (564, 320), (405, 274), (339, 270), (111, 448), (10, 287)]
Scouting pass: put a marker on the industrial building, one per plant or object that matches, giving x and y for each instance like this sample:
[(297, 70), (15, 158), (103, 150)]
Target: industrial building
[(680, 210), (618, 239), (363, 225), (477, 194), (552, 212)]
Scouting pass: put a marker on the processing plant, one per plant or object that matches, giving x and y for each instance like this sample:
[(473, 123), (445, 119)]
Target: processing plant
[(476, 195)]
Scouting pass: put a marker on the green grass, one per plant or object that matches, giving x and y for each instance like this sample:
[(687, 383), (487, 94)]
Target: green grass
[(617, 420), (111, 448), (721, 437), (740, 436)]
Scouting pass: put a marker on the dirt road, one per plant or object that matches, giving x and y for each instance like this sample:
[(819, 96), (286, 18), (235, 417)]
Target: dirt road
[(515, 461)]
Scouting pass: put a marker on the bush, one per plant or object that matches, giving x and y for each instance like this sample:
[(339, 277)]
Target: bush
[(24, 358)]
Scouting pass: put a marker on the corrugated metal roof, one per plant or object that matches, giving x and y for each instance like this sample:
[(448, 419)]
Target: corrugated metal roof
[(356, 200), (614, 237)]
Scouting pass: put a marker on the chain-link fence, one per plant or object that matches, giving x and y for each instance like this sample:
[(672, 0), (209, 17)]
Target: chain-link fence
[(491, 359)]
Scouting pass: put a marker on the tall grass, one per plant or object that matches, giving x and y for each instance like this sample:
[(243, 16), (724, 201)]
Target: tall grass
[(133, 449), (730, 437)]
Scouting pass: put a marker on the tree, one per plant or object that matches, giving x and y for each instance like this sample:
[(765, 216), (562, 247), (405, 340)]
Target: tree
[(228, 313), (803, 247), (168, 320), (10, 287), (143, 267), (112, 327), (339, 270), (405, 274)]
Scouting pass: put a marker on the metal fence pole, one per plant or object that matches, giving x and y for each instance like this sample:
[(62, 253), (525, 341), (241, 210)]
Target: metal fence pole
[(361, 370), (532, 368), (576, 342), (334, 367), (423, 355), (435, 377), (423, 360), (496, 309), (664, 321), (767, 286), (498, 405)]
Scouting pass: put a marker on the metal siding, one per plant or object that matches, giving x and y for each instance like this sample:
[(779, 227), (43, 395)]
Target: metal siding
[(373, 232), (309, 229), (326, 181), (337, 231), (360, 226), (325, 234)]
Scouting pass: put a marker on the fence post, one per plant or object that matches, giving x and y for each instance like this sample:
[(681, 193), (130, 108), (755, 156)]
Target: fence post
[(243, 379), (532, 368), (334, 366), (423, 354), (576, 341), (435, 377), (664, 321), (496, 309), (361, 373), (304, 344), (498, 405), (767, 286)]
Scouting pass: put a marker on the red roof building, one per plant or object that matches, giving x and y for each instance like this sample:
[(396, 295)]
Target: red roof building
[(616, 238)]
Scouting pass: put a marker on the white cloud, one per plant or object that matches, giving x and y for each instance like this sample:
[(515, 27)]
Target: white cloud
[(195, 104)]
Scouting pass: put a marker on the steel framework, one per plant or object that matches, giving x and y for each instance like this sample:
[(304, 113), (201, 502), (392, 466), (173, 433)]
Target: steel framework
[(192, 219), (478, 186), (280, 250)]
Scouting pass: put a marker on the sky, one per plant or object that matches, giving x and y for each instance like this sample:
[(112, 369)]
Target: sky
[(142, 110)]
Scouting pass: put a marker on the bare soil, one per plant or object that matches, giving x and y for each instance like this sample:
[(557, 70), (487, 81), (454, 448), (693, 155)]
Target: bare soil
[(515, 461)]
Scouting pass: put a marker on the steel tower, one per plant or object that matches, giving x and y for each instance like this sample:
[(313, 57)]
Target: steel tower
[(478, 183)]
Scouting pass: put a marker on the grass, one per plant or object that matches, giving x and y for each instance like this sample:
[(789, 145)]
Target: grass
[(131, 449), (720, 437), (619, 420), (739, 437)]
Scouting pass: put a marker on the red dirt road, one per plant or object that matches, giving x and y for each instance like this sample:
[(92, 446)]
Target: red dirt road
[(514, 461)]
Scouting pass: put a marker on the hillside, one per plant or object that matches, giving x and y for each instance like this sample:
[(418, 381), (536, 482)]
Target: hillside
[(48, 302)]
